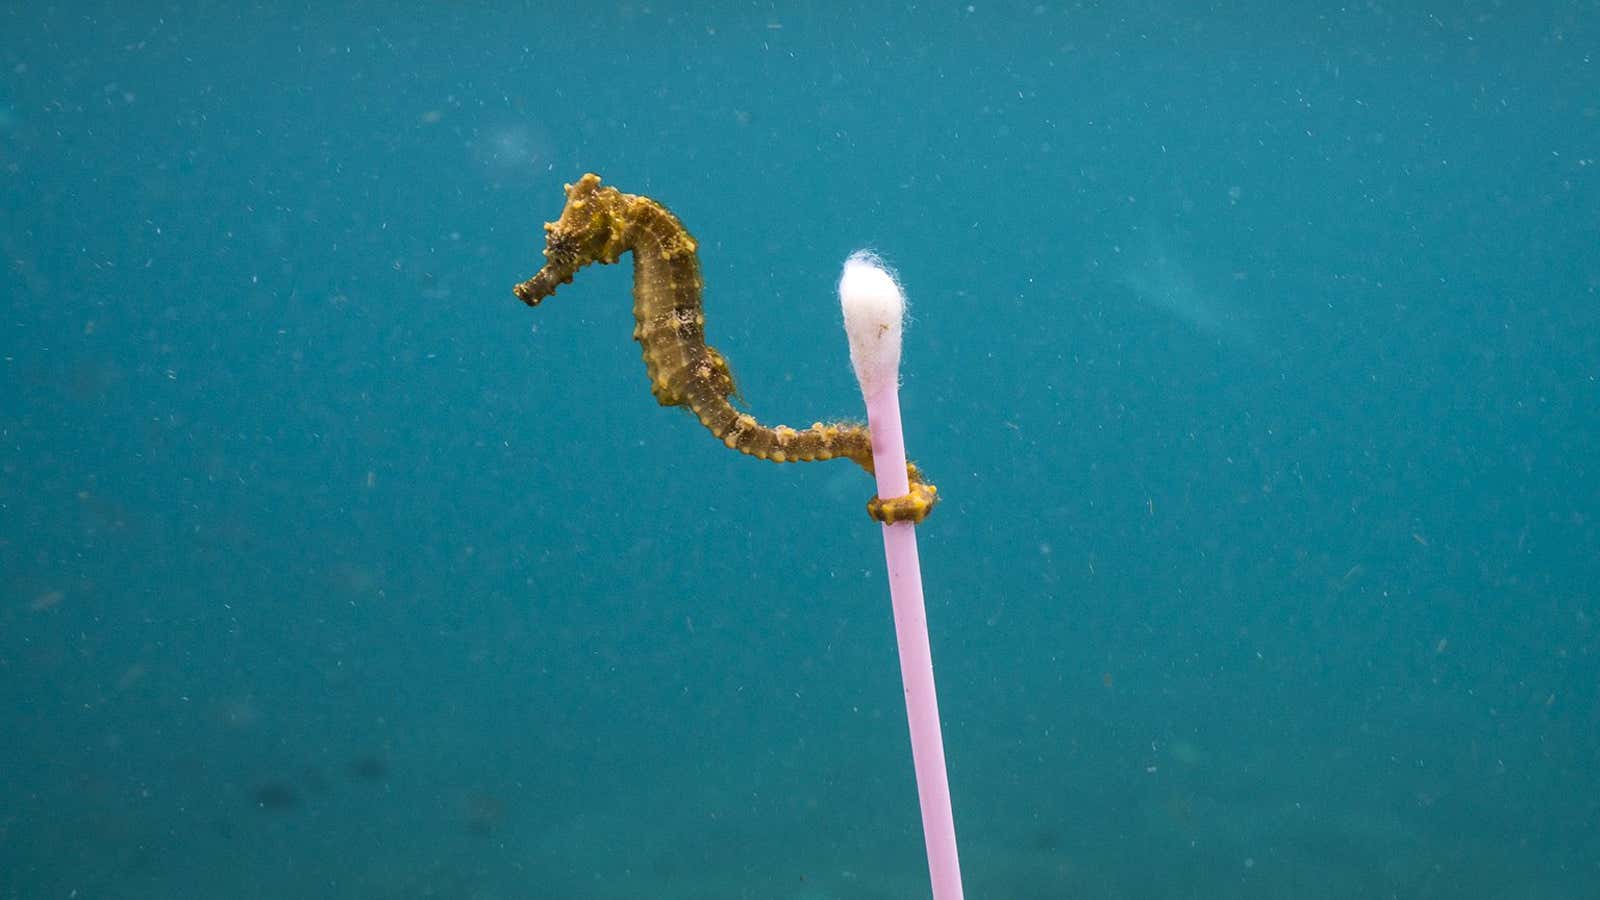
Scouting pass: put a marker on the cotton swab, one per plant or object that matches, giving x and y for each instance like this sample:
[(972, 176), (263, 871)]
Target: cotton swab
[(874, 318)]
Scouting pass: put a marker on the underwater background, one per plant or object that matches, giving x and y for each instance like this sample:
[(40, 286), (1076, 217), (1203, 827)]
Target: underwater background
[(1255, 349)]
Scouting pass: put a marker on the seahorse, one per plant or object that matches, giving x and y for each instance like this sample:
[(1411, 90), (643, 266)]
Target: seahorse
[(599, 224)]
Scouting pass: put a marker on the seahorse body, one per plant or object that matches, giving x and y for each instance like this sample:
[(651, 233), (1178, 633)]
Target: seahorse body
[(599, 224)]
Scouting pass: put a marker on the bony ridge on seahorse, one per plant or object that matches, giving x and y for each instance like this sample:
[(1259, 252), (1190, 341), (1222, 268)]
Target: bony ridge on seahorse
[(599, 224)]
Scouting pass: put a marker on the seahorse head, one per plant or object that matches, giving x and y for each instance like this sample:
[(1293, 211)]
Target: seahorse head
[(588, 231)]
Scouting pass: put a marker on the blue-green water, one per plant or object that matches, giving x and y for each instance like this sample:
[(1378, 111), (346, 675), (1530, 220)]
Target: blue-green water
[(1255, 351)]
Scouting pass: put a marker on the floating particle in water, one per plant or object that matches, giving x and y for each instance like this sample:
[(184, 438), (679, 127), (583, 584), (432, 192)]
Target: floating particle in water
[(275, 796)]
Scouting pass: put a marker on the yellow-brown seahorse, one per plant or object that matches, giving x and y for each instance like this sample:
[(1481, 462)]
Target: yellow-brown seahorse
[(599, 224)]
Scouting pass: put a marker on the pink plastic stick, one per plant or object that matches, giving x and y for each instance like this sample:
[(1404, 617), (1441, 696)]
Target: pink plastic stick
[(874, 310), (916, 658)]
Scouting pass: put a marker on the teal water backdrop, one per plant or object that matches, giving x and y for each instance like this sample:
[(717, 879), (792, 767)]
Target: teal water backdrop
[(1255, 349)]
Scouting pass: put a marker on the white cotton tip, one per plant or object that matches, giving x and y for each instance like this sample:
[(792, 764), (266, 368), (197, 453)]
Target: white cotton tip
[(874, 317)]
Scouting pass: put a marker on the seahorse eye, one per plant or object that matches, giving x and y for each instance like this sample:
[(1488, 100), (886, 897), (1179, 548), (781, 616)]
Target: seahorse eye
[(561, 249)]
